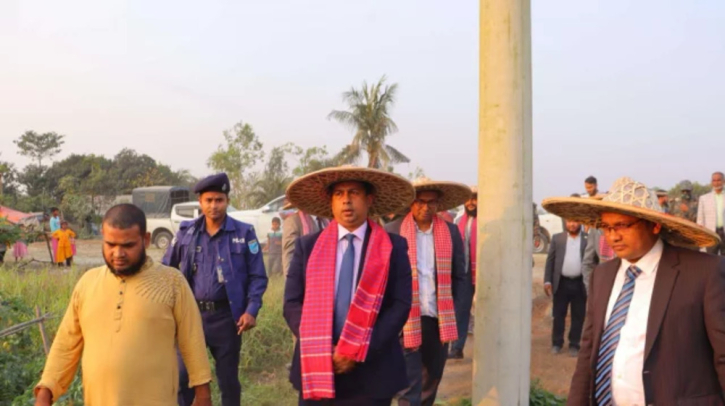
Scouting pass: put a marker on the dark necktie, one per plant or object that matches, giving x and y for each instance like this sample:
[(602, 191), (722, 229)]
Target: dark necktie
[(610, 340), (344, 287)]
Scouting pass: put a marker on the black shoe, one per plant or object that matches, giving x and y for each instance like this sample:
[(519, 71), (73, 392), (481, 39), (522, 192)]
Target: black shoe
[(573, 352), (455, 354), (555, 350)]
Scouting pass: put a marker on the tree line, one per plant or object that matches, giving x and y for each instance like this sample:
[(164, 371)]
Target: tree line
[(77, 182)]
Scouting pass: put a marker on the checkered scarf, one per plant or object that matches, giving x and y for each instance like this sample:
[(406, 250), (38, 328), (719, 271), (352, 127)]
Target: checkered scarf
[(462, 224), (412, 337), (318, 380)]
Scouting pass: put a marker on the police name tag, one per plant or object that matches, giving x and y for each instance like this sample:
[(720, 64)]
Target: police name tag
[(237, 240), (254, 246)]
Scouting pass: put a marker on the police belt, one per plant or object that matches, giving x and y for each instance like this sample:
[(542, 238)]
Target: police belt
[(210, 306)]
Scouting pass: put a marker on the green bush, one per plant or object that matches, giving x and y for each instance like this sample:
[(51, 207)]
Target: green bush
[(538, 396), (265, 349)]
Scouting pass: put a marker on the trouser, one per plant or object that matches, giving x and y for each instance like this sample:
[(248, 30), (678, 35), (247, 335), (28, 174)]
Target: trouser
[(720, 248), (275, 264), (425, 366), (463, 317), (345, 402), (220, 332), (68, 262), (570, 291)]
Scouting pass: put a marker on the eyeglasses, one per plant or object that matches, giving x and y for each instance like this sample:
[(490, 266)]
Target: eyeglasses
[(429, 203), (619, 227)]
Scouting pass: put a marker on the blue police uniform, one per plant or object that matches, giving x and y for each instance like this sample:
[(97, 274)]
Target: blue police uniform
[(226, 273)]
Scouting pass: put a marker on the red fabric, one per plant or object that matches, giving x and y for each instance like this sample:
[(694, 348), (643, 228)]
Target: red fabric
[(318, 380), (605, 251), (443, 243), (472, 244)]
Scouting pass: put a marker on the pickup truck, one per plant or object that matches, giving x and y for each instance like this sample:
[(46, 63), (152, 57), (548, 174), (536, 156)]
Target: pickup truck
[(550, 224), (260, 219)]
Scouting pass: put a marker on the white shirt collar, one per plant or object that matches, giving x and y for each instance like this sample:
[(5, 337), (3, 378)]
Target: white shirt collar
[(648, 263), (359, 232), (429, 231)]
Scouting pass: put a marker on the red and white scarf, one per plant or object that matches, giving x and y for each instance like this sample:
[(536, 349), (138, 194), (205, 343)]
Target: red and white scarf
[(443, 243), (318, 379), (462, 224)]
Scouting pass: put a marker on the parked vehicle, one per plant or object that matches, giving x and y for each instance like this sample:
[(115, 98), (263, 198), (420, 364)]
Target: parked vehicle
[(188, 211), (261, 218), (549, 224), (157, 202)]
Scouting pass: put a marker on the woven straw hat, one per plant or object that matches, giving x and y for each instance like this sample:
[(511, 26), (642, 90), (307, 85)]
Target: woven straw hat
[(309, 193), (452, 194), (632, 199), (474, 189)]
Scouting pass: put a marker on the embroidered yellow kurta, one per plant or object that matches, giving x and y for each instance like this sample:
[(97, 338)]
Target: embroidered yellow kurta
[(65, 250), (126, 330)]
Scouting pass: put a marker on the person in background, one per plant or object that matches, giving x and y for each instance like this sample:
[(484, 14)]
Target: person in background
[(564, 281), (294, 226), (684, 206), (64, 236), (468, 227), (590, 185), (124, 324), (3, 250), (662, 199), (274, 248), (441, 286), (711, 212), (20, 248), (54, 224)]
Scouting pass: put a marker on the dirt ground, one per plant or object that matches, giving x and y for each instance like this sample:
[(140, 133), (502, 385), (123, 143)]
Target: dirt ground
[(553, 371)]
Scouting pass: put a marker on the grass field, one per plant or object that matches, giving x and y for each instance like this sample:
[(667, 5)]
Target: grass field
[(265, 350)]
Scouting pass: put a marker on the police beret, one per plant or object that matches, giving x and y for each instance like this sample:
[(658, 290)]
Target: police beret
[(214, 183)]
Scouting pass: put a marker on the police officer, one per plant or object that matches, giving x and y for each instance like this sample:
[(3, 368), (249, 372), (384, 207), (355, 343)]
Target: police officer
[(221, 259), (684, 206)]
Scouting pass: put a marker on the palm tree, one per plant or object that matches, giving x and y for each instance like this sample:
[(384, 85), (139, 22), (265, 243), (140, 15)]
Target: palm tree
[(368, 116)]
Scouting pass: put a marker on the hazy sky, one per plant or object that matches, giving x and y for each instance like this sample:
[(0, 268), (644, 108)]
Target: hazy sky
[(621, 87)]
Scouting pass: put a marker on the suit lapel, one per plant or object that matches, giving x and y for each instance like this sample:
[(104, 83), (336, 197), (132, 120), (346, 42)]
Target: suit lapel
[(667, 272), (604, 286), (363, 253)]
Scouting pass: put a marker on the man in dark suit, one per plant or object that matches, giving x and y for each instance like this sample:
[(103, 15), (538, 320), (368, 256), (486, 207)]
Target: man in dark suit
[(440, 286), (563, 279), (348, 290), (655, 326)]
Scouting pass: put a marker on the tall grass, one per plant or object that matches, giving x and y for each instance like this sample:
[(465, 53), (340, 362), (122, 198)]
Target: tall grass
[(265, 350)]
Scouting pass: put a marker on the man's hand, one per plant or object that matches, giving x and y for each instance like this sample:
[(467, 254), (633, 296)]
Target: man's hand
[(246, 322), (548, 289), (342, 364), (44, 397), (202, 395)]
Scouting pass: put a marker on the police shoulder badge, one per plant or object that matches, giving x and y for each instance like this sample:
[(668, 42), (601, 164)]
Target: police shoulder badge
[(254, 246)]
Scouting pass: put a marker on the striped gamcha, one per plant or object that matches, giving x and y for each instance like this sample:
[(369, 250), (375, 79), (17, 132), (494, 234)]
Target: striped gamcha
[(610, 339)]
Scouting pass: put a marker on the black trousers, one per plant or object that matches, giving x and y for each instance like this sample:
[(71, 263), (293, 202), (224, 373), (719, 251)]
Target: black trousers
[(720, 248), (220, 333), (425, 366), (346, 402), (571, 291)]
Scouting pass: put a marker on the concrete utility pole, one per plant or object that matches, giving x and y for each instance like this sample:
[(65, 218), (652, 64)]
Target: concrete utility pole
[(502, 352)]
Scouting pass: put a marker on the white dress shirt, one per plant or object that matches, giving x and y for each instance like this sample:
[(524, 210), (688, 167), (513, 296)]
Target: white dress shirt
[(342, 244), (426, 265), (628, 362), (572, 266)]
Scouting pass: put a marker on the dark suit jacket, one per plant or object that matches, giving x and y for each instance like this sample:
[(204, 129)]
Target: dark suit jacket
[(461, 282), (684, 356), (555, 258), (382, 374)]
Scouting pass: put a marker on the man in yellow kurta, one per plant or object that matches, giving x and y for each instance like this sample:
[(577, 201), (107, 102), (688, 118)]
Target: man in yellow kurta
[(125, 320), (64, 236)]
